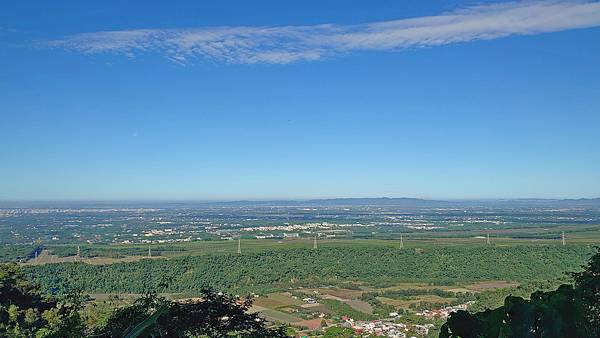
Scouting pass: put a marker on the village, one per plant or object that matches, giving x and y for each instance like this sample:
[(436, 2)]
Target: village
[(313, 312)]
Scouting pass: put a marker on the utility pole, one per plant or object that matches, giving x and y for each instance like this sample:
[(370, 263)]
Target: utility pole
[(401, 242), (488, 238), (563, 239), (239, 246), (315, 243)]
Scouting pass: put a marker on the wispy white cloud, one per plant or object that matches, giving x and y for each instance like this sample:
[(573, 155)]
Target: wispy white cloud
[(287, 44)]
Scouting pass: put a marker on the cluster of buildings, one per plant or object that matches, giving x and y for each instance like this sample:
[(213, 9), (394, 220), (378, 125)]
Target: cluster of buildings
[(383, 328), (443, 313), (303, 227)]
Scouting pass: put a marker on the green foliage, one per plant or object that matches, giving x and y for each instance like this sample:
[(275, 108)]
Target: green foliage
[(215, 315), (452, 298), (343, 309), (112, 251), (14, 252), (25, 313), (491, 299), (145, 325), (569, 311), (96, 314), (380, 309), (548, 314), (461, 297), (277, 269), (588, 282), (339, 332)]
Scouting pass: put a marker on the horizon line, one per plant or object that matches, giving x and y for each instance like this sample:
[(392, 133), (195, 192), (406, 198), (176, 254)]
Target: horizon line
[(156, 200)]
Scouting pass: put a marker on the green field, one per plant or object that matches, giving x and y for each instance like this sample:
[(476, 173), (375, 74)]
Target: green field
[(577, 235)]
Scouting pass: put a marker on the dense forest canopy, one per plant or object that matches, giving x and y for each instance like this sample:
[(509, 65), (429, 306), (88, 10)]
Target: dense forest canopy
[(265, 271)]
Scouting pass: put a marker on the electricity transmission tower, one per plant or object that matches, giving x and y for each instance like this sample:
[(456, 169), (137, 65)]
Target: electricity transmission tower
[(488, 238), (149, 252), (563, 239), (315, 243), (401, 242), (239, 251)]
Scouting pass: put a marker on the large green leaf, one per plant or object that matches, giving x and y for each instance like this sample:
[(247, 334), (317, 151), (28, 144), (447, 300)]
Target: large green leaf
[(138, 329)]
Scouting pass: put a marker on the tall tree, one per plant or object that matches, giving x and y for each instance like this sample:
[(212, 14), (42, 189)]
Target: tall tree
[(213, 315), (588, 282)]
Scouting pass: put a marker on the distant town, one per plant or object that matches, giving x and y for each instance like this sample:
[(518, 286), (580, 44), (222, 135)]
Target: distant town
[(185, 223)]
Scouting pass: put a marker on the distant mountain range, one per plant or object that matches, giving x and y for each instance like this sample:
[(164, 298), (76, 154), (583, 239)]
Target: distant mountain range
[(403, 202)]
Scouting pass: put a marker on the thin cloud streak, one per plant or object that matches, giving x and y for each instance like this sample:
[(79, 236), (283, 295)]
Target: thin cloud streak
[(288, 44)]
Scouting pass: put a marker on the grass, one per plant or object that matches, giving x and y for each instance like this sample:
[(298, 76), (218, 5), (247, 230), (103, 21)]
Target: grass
[(275, 316), (342, 309), (410, 241), (277, 300), (405, 303)]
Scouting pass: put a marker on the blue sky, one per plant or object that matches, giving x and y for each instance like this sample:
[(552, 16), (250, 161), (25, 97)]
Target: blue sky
[(302, 99)]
